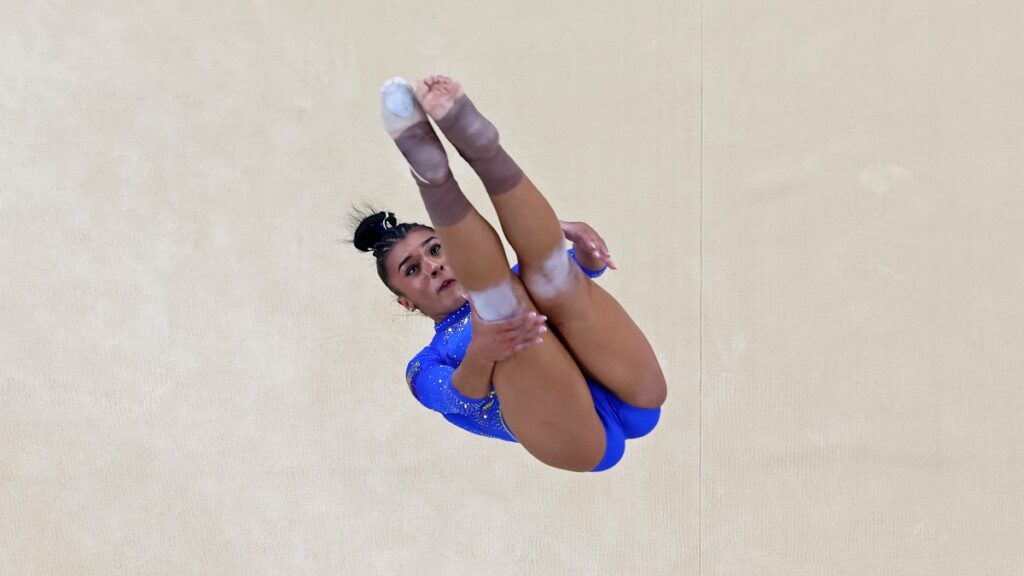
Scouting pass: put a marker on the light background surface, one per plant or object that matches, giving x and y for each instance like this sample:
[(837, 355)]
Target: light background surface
[(817, 211)]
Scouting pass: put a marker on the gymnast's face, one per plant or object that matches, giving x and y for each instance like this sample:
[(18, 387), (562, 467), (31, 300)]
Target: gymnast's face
[(418, 269)]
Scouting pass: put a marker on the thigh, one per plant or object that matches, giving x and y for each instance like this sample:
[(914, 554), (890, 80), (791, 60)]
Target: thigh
[(605, 342), (547, 404)]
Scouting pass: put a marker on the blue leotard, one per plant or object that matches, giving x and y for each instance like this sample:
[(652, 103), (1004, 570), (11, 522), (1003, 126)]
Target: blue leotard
[(429, 375)]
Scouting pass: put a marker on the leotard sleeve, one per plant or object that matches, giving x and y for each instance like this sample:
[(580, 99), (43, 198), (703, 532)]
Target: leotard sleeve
[(587, 271), (572, 254), (430, 381)]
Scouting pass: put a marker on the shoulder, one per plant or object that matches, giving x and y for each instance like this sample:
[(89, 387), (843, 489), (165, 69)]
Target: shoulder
[(426, 355)]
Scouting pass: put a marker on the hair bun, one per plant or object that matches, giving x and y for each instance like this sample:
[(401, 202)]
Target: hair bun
[(372, 229)]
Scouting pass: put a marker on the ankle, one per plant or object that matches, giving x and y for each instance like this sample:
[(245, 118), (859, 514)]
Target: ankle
[(425, 154), (473, 135), (499, 172)]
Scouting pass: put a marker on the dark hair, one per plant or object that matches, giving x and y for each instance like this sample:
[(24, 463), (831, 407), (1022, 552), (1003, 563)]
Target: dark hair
[(378, 232)]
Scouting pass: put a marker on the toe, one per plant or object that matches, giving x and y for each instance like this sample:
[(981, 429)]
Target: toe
[(420, 90)]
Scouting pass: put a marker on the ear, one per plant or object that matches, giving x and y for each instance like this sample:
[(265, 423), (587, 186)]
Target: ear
[(406, 303)]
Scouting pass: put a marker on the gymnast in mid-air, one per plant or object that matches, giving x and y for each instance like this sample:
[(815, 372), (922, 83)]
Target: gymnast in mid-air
[(538, 354)]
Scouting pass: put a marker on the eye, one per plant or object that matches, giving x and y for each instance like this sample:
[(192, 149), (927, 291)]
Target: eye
[(435, 249), (409, 271)]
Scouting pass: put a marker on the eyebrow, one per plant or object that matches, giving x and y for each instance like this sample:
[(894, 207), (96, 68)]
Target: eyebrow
[(425, 242)]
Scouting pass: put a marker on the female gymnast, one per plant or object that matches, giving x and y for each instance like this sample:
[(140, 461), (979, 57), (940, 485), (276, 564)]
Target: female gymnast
[(571, 397)]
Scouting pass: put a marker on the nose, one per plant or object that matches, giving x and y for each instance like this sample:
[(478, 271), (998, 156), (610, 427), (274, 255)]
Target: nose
[(435, 267)]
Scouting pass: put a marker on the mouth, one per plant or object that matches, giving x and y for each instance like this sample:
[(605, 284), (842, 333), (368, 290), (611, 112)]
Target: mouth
[(446, 284)]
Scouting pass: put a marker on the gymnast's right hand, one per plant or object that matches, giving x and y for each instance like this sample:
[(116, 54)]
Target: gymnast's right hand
[(496, 341)]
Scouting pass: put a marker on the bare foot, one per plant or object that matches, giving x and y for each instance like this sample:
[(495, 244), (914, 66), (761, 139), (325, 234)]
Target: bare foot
[(437, 95)]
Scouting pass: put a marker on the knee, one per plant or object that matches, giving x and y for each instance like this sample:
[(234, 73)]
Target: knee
[(586, 459), (552, 278), (583, 457), (499, 302), (653, 392)]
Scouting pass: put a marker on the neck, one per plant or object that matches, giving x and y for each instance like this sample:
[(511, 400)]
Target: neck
[(438, 318)]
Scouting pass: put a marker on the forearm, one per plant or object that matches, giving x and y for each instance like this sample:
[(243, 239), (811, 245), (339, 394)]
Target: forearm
[(473, 376)]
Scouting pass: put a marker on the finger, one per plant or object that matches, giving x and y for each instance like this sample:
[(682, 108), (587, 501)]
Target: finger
[(539, 324), (606, 255), (526, 320), (535, 329), (524, 345), (527, 344), (517, 323), (530, 334), (507, 328)]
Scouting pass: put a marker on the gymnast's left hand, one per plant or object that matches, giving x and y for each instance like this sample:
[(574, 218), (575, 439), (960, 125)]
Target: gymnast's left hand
[(591, 250)]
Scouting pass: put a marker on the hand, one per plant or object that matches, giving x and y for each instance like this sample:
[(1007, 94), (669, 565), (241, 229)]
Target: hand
[(496, 341), (591, 250)]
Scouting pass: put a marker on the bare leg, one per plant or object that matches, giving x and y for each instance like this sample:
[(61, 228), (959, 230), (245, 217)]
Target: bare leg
[(544, 397), (605, 341)]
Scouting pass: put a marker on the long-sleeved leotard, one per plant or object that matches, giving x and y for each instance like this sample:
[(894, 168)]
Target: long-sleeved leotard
[(429, 374)]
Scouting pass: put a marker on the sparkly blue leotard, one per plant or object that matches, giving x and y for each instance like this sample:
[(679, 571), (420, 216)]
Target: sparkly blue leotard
[(429, 375)]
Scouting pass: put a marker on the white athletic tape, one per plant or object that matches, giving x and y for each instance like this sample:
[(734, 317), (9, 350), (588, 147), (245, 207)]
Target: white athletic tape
[(497, 302), (399, 109), (553, 276)]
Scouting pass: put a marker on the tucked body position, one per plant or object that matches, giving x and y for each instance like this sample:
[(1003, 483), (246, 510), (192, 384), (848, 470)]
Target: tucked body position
[(537, 354)]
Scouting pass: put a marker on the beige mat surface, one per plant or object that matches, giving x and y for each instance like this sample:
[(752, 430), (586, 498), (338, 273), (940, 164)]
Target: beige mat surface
[(816, 211)]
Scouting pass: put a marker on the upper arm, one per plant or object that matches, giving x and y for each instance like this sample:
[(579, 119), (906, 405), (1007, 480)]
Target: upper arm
[(430, 381)]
